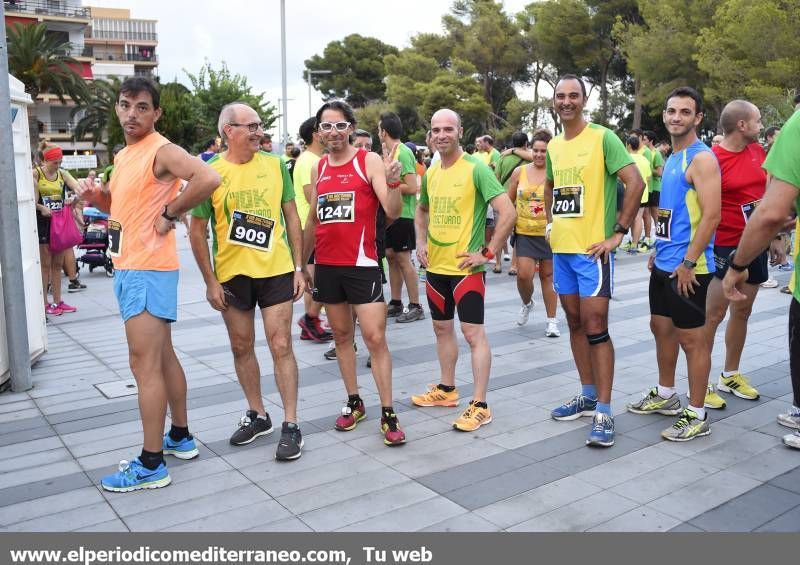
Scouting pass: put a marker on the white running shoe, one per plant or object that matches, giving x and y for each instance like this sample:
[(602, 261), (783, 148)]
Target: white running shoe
[(552, 329), (524, 313)]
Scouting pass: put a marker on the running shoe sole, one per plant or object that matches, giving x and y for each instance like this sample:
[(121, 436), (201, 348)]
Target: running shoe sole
[(160, 483), (182, 454), (292, 457), (252, 439), (788, 422), (394, 444), (684, 439), (489, 421), (353, 427), (735, 392), (594, 443), (573, 416), (673, 412), (444, 403)]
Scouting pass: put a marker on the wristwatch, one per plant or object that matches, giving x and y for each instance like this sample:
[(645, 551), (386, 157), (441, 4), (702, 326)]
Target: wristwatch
[(734, 266), (166, 216), (619, 228), (486, 252), (689, 264)]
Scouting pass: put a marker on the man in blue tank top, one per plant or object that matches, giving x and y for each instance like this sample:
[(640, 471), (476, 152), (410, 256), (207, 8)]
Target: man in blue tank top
[(682, 268)]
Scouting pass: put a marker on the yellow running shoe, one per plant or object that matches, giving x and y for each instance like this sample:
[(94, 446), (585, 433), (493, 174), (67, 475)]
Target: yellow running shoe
[(713, 399), (436, 397), (473, 418), (739, 385)]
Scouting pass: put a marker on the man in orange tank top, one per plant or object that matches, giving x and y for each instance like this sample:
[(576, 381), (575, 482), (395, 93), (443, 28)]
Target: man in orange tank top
[(144, 204)]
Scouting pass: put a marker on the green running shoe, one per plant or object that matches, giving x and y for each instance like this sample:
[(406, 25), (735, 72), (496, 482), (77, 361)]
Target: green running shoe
[(652, 403), (688, 427)]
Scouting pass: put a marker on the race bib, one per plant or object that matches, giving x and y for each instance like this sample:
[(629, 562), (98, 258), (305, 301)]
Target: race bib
[(336, 207), (251, 230), (663, 224), (53, 202), (749, 208), (568, 201), (114, 238)]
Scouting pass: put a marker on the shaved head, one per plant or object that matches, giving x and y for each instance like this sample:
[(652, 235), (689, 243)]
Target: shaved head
[(446, 114), (734, 112)]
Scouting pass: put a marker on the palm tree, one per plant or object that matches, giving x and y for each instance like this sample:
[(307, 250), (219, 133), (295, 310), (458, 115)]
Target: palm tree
[(42, 64), (99, 117)]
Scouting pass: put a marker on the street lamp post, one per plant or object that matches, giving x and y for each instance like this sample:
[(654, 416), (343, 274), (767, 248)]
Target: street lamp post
[(310, 72), (283, 71)]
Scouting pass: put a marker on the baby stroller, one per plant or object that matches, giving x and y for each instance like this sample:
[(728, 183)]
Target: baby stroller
[(95, 241)]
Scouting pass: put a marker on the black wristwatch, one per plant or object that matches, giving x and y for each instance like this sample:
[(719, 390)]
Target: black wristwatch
[(619, 228), (734, 266), (689, 264), (166, 215)]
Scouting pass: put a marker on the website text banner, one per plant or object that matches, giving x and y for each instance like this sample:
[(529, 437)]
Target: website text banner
[(392, 548)]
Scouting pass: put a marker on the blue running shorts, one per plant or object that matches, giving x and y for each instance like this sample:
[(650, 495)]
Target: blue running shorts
[(154, 291), (576, 273)]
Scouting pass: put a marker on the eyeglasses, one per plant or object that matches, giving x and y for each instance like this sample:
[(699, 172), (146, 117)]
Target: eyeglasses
[(329, 126), (252, 128)]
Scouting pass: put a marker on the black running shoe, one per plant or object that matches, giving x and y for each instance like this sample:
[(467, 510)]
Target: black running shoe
[(290, 446), (250, 427), (75, 286)]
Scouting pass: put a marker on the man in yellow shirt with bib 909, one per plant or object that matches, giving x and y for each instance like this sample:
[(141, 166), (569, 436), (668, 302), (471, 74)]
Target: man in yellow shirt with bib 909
[(257, 246)]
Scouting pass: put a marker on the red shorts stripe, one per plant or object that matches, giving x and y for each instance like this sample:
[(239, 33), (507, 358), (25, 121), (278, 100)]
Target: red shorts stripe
[(470, 283), (435, 298)]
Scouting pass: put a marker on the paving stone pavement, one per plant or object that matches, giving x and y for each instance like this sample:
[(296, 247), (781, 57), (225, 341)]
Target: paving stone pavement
[(524, 472)]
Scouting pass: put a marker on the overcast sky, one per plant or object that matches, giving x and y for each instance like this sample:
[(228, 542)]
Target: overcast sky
[(247, 35)]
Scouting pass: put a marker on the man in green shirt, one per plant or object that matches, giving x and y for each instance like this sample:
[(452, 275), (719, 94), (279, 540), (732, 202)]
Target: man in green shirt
[(510, 161), (400, 236), (494, 154), (780, 201), (657, 168)]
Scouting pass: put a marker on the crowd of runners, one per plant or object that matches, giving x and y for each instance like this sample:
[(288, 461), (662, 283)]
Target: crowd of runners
[(319, 226)]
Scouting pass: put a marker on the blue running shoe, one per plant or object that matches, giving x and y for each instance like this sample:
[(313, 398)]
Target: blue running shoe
[(135, 476), (602, 431), (575, 408), (183, 449)]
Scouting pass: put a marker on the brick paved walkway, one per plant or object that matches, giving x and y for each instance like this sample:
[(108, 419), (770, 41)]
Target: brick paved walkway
[(524, 472)]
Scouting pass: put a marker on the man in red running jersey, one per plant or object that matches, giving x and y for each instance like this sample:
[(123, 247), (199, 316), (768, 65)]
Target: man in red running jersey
[(744, 181), (348, 187)]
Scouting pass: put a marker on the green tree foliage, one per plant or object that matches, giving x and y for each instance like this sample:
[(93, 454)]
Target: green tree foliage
[(660, 50), (576, 36), (417, 86), (98, 114), (43, 65), (214, 88), (752, 51), (481, 33), (357, 69), (179, 119)]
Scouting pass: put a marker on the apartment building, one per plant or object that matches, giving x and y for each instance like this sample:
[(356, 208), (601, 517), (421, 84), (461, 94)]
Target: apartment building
[(105, 42)]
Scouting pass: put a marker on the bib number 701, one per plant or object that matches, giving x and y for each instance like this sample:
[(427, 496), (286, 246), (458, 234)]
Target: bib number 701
[(568, 201)]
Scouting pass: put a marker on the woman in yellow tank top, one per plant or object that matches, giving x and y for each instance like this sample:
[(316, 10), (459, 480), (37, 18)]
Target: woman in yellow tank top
[(50, 183), (526, 190)]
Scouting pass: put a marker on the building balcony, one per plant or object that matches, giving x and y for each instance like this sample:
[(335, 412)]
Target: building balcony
[(76, 52), (124, 57), (44, 8), (124, 35), (56, 129)]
